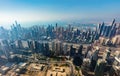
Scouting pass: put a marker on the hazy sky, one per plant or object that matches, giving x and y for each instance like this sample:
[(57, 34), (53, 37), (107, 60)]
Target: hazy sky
[(25, 11)]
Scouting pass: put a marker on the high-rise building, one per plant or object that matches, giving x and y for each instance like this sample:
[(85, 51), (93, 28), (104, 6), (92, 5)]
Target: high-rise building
[(89, 48), (65, 48), (19, 44), (112, 28), (5, 48), (94, 59), (106, 54), (72, 51), (31, 44), (100, 66), (53, 45), (101, 28), (116, 40), (80, 49)]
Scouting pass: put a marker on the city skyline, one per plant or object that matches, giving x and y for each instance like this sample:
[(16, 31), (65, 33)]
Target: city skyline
[(48, 11), (59, 38)]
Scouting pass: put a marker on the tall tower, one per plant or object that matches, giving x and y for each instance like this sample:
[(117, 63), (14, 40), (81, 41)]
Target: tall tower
[(53, 45), (101, 28), (5, 48), (99, 69), (65, 48), (112, 27), (94, 60), (19, 43)]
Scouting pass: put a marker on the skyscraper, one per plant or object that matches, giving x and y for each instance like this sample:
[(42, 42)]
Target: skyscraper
[(99, 69)]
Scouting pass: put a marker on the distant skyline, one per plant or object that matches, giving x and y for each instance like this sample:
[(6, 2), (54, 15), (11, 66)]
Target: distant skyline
[(46, 11)]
